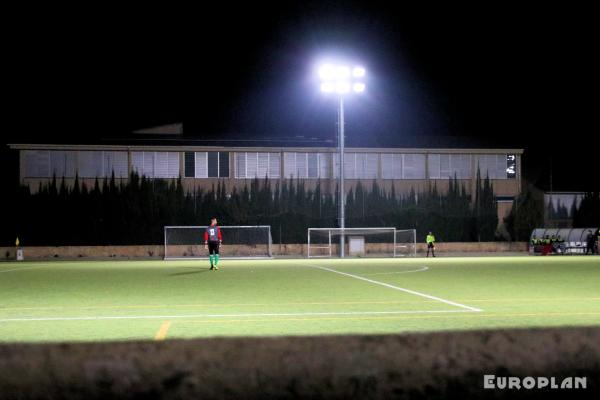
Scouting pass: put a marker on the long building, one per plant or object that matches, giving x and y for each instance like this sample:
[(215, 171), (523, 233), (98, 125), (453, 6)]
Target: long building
[(406, 169)]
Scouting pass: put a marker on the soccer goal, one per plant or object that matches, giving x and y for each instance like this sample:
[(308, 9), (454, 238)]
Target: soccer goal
[(187, 242), (362, 242)]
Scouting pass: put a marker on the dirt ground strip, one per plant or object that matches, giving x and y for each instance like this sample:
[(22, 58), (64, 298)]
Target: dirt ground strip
[(435, 365)]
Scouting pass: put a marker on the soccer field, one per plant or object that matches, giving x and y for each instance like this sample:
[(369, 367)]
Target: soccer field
[(155, 300)]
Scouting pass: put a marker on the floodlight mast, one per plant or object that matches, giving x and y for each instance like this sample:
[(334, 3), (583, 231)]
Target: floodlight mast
[(339, 79), (342, 194)]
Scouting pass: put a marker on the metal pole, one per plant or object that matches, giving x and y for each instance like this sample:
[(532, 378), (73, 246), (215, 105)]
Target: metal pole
[(308, 248), (342, 195)]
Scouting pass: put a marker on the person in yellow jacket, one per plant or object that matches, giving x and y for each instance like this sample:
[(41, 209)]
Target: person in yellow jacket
[(430, 239)]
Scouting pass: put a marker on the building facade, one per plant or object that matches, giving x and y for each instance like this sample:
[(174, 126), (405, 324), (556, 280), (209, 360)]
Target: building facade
[(405, 169)]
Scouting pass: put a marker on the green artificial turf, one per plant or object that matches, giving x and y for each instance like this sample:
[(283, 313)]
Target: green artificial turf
[(124, 300)]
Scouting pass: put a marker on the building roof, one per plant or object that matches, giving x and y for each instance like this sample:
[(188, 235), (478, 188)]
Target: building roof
[(424, 144)]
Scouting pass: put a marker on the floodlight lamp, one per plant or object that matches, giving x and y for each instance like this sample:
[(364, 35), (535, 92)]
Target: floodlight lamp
[(327, 72), (358, 72), (342, 72), (358, 87)]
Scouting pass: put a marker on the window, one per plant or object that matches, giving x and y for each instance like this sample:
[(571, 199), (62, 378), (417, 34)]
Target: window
[(240, 165), (262, 164), (90, 164), (156, 164), (213, 164), (301, 165), (115, 162), (224, 164), (37, 164), (391, 166), (444, 166), (274, 165), (250, 165), (413, 166), (367, 165), (202, 164), (493, 166), (201, 169), (357, 165), (461, 165), (63, 164), (325, 165), (166, 165), (350, 166), (189, 166), (312, 161)]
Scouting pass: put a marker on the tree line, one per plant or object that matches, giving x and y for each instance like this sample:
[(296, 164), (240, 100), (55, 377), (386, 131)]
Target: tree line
[(136, 210)]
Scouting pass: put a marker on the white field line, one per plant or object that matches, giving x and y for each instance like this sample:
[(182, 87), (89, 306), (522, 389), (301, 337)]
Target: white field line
[(400, 272), (23, 268), (307, 314), (396, 288)]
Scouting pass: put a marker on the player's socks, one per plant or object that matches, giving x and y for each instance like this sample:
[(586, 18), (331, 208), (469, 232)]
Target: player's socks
[(210, 257), (216, 259)]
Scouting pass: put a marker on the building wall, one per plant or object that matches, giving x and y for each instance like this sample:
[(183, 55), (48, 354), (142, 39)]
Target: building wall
[(199, 167)]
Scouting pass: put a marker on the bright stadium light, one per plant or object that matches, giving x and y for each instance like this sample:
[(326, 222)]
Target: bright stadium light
[(358, 72), (341, 80), (359, 87), (326, 72), (342, 72)]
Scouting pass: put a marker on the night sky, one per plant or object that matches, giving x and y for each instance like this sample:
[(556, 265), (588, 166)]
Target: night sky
[(504, 75)]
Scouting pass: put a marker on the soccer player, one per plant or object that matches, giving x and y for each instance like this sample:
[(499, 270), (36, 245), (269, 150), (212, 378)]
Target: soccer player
[(212, 242), (430, 239)]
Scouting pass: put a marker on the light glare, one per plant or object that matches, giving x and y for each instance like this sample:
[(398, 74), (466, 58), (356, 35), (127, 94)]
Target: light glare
[(341, 78), (326, 72), (342, 87), (342, 72), (359, 87), (358, 72), (327, 87)]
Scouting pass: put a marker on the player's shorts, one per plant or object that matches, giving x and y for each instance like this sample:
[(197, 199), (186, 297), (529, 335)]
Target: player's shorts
[(213, 247), (430, 245)]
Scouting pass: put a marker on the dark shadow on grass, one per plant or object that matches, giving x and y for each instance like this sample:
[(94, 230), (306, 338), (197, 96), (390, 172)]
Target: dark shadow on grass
[(198, 271)]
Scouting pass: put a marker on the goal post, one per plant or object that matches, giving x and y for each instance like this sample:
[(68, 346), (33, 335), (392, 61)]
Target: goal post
[(405, 243), (242, 241), (361, 242)]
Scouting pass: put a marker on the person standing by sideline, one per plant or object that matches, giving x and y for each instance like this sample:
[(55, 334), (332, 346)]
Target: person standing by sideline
[(430, 240), (589, 242), (212, 242)]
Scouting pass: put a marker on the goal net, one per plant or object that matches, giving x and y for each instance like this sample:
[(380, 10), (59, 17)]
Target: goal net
[(361, 242), (187, 242)]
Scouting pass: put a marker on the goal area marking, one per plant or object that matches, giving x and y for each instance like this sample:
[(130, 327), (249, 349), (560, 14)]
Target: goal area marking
[(473, 309)]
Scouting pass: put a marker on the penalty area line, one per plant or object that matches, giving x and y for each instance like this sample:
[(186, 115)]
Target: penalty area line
[(396, 288), (399, 272)]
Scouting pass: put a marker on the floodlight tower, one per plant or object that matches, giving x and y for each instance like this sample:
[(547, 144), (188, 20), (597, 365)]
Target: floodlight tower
[(341, 80)]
